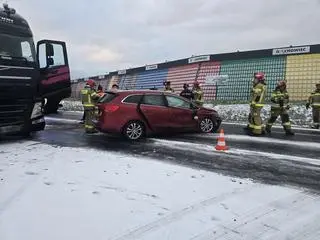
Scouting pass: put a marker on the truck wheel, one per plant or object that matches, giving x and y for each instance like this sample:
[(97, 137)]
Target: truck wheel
[(51, 108), (134, 130), (26, 134)]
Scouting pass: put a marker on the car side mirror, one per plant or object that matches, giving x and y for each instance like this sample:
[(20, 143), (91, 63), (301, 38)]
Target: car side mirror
[(49, 50)]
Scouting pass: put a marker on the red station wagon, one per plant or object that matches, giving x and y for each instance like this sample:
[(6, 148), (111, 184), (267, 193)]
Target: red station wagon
[(138, 113)]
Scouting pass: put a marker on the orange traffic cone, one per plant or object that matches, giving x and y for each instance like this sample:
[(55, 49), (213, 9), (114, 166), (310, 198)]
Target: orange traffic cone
[(221, 145)]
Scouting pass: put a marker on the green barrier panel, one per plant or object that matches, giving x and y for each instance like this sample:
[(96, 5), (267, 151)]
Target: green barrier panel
[(240, 76)]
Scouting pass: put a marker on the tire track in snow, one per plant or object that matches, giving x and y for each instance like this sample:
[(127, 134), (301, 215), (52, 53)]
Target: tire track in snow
[(311, 231), (175, 216), (232, 230)]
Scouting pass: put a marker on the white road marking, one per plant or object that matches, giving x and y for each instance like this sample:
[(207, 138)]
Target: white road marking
[(246, 138), (294, 127), (232, 151)]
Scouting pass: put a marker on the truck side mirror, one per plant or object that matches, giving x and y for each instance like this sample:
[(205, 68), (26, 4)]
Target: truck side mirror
[(49, 50), (50, 61)]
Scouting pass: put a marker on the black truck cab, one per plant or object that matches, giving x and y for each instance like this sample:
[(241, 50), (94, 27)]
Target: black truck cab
[(32, 78)]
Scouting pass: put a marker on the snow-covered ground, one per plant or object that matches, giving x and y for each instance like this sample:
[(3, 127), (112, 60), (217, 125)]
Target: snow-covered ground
[(49, 192), (299, 115)]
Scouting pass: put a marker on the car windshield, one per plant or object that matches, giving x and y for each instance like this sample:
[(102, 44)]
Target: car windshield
[(17, 47)]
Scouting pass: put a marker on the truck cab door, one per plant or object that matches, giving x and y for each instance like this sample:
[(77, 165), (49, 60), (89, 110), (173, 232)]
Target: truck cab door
[(55, 83)]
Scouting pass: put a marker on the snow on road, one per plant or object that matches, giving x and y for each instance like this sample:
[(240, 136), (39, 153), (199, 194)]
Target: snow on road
[(210, 150), (49, 192)]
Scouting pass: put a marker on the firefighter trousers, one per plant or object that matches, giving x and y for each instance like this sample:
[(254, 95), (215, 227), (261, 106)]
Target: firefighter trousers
[(316, 116), (255, 122), (283, 113), (89, 116)]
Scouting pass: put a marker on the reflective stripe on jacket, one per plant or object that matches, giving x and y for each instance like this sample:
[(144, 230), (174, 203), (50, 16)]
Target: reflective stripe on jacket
[(314, 99), (198, 96), (169, 90), (88, 97), (258, 95), (277, 97)]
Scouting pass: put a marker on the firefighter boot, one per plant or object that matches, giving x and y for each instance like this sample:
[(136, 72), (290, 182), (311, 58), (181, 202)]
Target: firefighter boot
[(289, 132), (268, 129)]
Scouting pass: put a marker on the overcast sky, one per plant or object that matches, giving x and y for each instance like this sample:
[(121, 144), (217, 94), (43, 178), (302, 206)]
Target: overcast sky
[(108, 35)]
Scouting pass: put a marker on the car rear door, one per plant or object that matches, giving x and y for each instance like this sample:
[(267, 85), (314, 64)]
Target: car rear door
[(154, 111), (181, 113)]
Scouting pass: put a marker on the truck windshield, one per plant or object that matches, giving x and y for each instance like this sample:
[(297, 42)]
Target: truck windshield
[(17, 47)]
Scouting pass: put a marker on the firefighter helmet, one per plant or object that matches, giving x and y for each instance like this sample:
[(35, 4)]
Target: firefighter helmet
[(91, 83), (282, 83), (185, 86), (259, 76)]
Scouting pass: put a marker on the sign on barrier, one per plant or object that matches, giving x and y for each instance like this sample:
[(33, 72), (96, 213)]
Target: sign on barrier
[(199, 59), (216, 79), (152, 67), (291, 50)]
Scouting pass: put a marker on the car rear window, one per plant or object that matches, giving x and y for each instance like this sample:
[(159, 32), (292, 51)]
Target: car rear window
[(108, 97), (132, 99)]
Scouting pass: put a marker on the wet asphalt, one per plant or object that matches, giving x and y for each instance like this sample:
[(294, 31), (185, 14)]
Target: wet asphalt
[(282, 167)]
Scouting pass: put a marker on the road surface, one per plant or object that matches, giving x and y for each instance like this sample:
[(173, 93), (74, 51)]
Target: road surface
[(275, 159), (54, 182)]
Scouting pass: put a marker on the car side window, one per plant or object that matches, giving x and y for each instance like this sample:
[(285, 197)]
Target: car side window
[(132, 99), (153, 99), (177, 102)]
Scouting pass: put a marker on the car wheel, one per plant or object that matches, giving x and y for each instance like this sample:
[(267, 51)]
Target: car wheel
[(134, 130), (206, 125)]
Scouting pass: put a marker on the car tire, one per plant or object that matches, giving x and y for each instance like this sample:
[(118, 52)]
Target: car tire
[(207, 125), (134, 130)]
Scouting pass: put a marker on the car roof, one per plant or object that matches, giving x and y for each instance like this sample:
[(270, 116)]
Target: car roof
[(127, 92)]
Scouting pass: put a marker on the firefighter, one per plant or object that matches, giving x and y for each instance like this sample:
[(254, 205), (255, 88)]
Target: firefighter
[(100, 91), (314, 101), (101, 94), (280, 106), (89, 98), (258, 93), (186, 92), (167, 87), (197, 93), (115, 88)]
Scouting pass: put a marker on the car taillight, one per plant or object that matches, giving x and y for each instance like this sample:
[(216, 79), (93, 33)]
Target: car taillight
[(111, 108)]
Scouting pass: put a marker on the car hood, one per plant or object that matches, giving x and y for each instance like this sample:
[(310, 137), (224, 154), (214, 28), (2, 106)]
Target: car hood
[(208, 109)]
